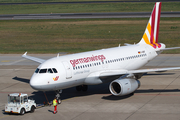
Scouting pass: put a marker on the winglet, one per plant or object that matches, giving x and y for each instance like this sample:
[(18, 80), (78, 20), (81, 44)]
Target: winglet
[(25, 53), (33, 58)]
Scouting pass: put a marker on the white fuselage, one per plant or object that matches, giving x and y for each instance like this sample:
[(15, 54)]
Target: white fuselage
[(79, 69)]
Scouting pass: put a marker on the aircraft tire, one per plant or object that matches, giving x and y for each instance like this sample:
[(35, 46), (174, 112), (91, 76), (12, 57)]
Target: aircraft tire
[(59, 101)]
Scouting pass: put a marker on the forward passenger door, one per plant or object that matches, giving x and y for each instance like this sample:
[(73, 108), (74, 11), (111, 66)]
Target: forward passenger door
[(68, 70)]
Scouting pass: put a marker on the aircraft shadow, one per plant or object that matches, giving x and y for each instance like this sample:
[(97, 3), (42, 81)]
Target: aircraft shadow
[(96, 89), (156, 91), (21, 79), (102, 89)]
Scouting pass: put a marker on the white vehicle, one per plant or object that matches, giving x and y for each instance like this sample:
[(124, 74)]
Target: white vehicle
[(119, 65), (19, 103)]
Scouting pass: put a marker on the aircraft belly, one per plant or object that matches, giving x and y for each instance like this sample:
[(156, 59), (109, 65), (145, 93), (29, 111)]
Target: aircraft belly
[(62, 85)]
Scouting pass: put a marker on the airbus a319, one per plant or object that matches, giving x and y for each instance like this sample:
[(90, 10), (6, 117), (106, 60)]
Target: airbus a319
[(119, 65)]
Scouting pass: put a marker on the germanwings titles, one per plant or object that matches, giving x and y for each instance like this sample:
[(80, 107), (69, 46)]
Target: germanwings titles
[(87, 59), (117, 65)]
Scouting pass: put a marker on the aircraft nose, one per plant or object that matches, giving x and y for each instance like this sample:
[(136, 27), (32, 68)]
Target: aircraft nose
[(34, 84)]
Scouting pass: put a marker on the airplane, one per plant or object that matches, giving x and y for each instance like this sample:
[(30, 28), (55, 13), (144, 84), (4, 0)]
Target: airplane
[(118, 65)]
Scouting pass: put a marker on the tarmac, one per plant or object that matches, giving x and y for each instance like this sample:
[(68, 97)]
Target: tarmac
[(158, 97)]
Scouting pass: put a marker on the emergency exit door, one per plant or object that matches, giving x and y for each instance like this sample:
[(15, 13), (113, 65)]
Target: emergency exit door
[(68, 70)]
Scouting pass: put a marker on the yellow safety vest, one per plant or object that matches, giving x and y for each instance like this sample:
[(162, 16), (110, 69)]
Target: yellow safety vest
[(54, 102)]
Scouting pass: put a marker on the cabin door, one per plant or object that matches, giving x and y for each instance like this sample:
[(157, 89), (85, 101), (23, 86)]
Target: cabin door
[(68, 70)]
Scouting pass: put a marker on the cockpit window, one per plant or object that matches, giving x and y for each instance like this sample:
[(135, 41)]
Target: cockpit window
[(50, 71), (42, 70), (37, 70), (55, 71)]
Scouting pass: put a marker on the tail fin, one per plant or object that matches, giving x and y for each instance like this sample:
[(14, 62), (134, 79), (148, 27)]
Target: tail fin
[(152, 30)]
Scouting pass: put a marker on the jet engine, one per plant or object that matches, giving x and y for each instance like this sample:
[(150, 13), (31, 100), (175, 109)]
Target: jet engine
[(124, 86)]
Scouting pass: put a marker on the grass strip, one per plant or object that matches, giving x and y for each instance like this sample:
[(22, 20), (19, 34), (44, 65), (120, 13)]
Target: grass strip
[(72, 36), (34, 1), (86, 8)]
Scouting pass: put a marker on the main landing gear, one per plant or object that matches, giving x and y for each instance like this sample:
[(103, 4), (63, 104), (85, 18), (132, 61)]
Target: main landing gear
[(58, 92), (82, 87)]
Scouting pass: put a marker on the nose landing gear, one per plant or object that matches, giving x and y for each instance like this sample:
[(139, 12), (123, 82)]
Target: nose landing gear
[(58, 92)]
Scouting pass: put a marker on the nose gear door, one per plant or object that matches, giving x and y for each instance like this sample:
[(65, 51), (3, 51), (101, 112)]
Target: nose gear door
[(68, 70)]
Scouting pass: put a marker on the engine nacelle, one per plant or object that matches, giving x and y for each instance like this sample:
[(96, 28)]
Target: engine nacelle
[(124, 86)]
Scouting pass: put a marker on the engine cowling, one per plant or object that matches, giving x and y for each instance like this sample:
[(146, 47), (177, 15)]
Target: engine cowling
[(124, 86)]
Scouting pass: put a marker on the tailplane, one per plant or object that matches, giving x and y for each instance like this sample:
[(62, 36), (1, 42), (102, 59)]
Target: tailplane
[(152, 30)]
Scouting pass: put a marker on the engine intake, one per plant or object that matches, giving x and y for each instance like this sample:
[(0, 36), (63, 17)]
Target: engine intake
[(124, 86)]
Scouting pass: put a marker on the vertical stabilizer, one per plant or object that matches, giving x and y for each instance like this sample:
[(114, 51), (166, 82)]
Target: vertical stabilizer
[(152, 30)]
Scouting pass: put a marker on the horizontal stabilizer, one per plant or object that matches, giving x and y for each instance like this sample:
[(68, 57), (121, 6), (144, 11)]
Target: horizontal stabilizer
[(172, 48)]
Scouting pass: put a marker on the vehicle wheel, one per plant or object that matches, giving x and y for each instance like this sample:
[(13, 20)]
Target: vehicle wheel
[(22, 111), (59, 101), (32, 109)]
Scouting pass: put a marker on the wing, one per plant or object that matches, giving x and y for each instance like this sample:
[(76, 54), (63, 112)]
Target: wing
[(152, 70), (123, 72), (33, 58)]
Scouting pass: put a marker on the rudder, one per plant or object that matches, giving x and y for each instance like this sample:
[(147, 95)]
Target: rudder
[(151, 33)]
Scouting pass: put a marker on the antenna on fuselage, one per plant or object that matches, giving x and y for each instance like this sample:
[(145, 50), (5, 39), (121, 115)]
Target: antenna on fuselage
[(58, 55)]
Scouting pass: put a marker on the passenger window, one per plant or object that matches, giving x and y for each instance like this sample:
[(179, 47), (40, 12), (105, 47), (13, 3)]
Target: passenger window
[(42, 70), (37, 70), (50, 71), (55, 71)]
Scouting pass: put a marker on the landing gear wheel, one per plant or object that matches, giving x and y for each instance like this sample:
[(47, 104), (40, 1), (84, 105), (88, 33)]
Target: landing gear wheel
[(58, 92), (22, 111), (59, 101)]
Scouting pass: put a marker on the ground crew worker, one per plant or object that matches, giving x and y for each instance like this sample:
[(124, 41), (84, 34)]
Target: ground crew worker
[(55, 105)]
